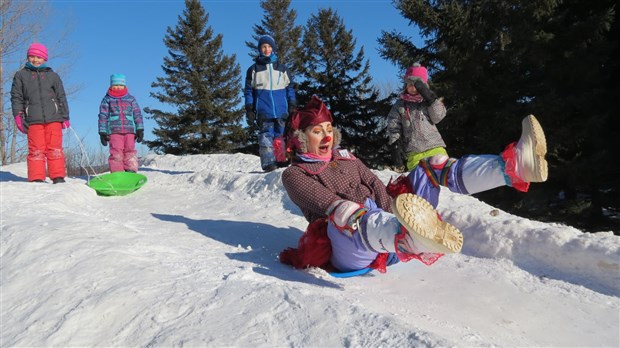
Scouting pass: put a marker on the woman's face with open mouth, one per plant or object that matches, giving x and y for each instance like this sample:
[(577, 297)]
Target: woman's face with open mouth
[(320, 138)]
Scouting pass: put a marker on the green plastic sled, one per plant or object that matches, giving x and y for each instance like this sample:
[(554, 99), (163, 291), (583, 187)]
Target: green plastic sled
[(117, 183)]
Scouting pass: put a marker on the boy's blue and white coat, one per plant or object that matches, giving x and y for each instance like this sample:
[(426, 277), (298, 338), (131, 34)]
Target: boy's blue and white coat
[(269, 88), (269, 92)]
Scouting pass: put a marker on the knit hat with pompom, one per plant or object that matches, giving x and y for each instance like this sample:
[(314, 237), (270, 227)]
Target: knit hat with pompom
[(416, 72)]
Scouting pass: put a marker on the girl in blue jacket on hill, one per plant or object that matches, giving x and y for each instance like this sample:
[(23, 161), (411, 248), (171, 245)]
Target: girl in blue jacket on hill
[(269, 97), (120, 125)]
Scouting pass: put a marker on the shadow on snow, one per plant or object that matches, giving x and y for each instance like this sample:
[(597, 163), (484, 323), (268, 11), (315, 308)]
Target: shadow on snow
[(263, 243)]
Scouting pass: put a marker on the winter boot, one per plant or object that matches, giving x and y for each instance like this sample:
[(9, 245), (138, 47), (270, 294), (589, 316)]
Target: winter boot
[(58, 180), (530, 163), (270, 168), (413, 229), (426, 233)]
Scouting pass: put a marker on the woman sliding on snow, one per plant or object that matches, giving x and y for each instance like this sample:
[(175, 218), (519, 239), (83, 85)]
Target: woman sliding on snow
[(354, 221)]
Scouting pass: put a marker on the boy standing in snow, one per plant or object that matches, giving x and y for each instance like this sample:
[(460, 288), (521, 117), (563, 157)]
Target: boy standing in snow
[(41, 111), (355, 223), (269, 96), (412, 129), (120, 125)]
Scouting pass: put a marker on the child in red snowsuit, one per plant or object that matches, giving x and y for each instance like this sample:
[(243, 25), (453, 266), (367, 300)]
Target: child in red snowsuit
[(40, 110)]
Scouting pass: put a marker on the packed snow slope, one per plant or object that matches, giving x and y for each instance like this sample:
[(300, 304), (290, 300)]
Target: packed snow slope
[(190, 260)]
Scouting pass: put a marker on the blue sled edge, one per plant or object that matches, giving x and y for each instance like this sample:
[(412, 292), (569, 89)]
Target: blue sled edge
[(350, 274)]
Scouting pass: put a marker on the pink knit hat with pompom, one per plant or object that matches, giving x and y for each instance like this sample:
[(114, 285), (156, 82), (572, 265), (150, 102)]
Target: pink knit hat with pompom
[(37, 50), (415, 72)]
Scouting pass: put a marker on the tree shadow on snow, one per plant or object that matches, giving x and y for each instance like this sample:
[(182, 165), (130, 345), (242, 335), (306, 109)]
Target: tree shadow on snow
[(7, 176), (262, 243)]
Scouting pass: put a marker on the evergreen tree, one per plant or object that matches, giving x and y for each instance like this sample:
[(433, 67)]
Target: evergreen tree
[(203, 85), (497, 61), (340, 77)]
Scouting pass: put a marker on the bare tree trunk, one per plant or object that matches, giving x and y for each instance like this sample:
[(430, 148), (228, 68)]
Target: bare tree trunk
[(14, 145), (20, 22), (16, 28), (2, 136)]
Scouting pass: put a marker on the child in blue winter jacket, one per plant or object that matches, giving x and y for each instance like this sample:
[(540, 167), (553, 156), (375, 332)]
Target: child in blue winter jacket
[(120, 125), (269, 97)]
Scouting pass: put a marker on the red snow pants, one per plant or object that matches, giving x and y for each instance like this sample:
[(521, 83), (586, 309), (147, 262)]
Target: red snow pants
[(45, 144)]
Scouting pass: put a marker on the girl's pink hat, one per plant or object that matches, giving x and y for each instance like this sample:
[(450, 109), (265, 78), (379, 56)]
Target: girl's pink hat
[(37, 50), (415, 72)]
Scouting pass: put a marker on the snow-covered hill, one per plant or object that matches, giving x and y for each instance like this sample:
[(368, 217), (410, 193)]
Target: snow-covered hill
[(191, 260)]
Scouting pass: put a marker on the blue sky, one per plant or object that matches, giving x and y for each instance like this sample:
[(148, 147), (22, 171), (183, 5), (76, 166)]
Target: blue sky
[(127, 37)]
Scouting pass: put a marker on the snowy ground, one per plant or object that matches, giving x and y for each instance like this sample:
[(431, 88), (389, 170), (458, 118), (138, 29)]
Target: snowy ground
[(191, 260)]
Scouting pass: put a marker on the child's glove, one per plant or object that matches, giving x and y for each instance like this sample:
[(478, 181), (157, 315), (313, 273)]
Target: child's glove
[(292, 108), (397, 155), (291, 112), (425, 92), (19, 122), (66, 124), (250, 115), (104, 139), (140, 135)]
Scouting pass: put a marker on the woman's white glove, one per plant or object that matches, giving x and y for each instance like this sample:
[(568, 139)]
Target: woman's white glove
[(345, 215)]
